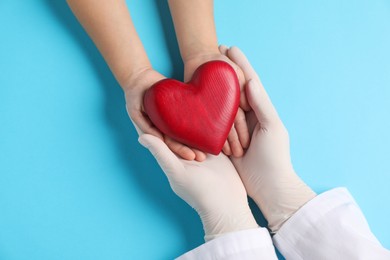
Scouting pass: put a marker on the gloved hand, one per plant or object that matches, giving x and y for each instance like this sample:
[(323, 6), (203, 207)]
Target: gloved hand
[(266, 169), (212, 187)]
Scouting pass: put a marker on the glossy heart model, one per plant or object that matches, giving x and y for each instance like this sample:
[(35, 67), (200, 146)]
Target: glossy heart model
[(199, 113)]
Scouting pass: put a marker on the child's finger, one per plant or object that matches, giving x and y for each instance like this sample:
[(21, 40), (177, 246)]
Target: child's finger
[(234, 143), (242, 128), (226, 149), (180, 149), (199, 155)]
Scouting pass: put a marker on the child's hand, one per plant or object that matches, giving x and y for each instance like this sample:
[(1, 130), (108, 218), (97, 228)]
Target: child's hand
[(134, 93), (238, 138)]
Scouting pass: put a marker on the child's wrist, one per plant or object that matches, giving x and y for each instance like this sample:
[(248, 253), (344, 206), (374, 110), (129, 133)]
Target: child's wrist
[(130, 79), (200, 53)]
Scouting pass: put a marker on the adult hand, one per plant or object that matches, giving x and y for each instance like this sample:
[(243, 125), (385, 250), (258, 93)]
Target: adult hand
[(238, 138), (212, 187), (134, 93), (266, 169)]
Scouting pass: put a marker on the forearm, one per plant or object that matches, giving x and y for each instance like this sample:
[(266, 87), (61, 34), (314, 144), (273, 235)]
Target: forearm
[(109, 24), (194, 26)]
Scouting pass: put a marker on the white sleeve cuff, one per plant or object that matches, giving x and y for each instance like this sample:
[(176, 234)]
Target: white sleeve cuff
[(330, 226), (246, 244)]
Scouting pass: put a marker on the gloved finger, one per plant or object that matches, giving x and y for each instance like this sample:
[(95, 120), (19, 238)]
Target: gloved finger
[(265, 108), (180, 149), (223, 49), (242, 128), (167, 160), (142, 123), (226, 149), (238, 57), (234, 143)]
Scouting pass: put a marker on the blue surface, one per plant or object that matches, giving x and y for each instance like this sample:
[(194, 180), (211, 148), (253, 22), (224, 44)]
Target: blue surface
[(75, 184)]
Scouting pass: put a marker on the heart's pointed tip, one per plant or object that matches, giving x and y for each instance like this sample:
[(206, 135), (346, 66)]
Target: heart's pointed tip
[(215, 153), (215, 150)]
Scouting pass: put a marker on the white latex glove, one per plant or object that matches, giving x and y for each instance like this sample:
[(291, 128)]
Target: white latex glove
[(266, 169), (212, 187)]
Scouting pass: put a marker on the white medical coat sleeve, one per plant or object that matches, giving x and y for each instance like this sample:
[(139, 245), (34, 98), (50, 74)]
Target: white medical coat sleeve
[(330, 226), (244, 245)]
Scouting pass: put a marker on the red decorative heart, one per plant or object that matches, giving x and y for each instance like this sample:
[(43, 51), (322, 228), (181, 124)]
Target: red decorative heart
[(199, 113)]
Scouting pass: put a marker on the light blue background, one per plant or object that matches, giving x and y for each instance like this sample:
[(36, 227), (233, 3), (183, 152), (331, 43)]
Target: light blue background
[(75, 184)]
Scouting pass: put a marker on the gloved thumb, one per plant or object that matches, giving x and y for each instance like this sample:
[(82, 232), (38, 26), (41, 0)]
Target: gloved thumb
[(260, 102), (167, 160), (255, 92)]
